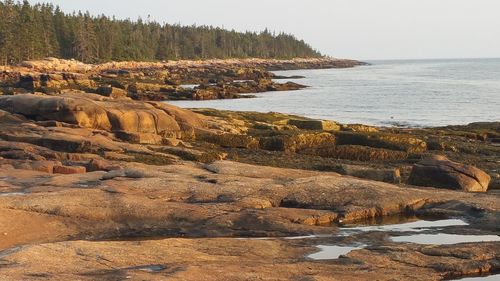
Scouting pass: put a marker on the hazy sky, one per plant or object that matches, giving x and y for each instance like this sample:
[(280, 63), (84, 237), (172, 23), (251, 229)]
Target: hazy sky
[(361, 29)]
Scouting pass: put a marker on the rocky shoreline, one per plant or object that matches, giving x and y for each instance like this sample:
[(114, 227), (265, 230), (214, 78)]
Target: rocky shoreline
[(104, 187), (210, 79)]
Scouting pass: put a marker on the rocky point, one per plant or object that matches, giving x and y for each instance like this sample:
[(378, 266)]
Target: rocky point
[(100, 181)]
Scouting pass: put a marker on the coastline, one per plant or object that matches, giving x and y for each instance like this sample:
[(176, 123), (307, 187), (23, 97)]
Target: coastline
[(425, 94), (212, 79), (115, 187), (61, 65)]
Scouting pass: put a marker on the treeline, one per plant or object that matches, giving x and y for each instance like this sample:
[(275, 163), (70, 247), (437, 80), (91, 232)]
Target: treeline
[(42, 30)]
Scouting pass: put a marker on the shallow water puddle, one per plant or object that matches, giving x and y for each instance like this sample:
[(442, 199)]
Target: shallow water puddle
[(148, 268), (189, 86), (303, 237), (417, 226), (445, 239), (5, 194), (333, 252), (286, 238), (482, 278)]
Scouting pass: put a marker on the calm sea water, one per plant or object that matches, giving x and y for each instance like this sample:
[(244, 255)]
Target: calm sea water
[(388, 93)]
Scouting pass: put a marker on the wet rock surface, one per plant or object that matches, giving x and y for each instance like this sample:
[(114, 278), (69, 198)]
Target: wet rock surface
[(102, 187)]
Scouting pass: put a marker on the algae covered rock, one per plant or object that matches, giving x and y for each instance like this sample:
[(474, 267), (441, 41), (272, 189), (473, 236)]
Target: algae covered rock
[(229, 140), (298, 142), (319, 125), (361, 153), (399, 142), (359, 128)]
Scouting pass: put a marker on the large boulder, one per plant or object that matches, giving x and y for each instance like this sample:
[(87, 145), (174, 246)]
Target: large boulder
[(438, 171), (138, 117), (148, 121), (184, 117), (82, 112)]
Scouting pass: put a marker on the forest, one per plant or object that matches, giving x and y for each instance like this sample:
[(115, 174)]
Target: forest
[(41, 30)]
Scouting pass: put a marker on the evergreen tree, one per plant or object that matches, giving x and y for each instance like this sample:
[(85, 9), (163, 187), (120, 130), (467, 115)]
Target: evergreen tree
[(37, 31), (9, 52)]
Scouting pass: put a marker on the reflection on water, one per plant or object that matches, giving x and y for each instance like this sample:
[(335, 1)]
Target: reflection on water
[(333, 252), (5, 194), (189, 86), (445, 239), (482, 278), (148, 268), (303, 237), (416, 226)]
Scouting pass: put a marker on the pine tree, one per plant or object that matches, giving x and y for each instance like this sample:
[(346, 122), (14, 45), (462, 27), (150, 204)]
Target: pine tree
[(49, 35), (9, 50), (3, 34), (37, 31)]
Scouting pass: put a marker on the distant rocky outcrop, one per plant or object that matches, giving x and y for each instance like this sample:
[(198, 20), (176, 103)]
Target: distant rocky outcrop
[(58, 65)]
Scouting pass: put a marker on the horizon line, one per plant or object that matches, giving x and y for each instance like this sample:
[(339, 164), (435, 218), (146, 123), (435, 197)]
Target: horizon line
[(430, 58)]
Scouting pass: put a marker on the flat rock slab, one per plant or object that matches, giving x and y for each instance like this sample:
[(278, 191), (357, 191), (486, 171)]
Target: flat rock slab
[(217, 200), (235, 259)]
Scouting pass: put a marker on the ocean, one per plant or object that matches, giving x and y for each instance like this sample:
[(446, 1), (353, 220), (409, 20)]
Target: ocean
[(417, 93)]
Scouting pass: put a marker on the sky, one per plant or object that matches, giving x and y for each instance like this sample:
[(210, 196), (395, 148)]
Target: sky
[(358, 29)]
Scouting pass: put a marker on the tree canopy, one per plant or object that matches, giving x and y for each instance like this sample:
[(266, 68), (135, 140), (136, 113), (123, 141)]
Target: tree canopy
[(42, 30)]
